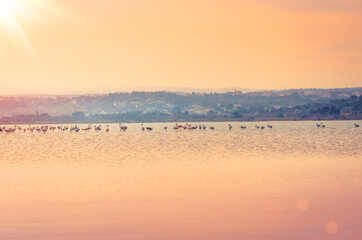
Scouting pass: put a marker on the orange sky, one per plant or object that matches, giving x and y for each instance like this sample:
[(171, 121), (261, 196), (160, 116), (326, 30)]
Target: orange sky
[(75, 46)]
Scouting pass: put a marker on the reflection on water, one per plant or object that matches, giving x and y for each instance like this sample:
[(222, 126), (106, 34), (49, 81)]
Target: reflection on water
[(294, 181)]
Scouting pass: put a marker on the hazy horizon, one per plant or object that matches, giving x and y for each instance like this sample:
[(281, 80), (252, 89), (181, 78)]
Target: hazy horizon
[(130, 89), (168, 89)]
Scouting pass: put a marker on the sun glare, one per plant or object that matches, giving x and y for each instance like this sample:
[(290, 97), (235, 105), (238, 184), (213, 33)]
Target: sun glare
[(19, 17), (7, 9), (10, 10)]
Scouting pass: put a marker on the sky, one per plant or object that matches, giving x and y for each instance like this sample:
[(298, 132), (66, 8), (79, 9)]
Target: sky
[(92, 46)]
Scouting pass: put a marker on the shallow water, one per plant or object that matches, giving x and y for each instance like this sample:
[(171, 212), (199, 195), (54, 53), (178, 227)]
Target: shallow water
[(294, 181)]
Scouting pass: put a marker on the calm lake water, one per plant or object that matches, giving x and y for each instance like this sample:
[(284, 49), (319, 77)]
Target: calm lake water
[(294, 181)]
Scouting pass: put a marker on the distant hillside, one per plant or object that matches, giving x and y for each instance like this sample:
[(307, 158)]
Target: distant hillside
[(348, 91), (139, 105), (340, 109), (167, 102)]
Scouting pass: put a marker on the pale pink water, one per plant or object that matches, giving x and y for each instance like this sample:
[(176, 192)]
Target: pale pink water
[(294, 181)]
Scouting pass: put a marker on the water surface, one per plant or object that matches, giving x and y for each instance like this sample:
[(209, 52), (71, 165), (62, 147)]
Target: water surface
[(294, 181)]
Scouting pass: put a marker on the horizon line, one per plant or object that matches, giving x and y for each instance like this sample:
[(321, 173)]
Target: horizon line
[(173, 89)]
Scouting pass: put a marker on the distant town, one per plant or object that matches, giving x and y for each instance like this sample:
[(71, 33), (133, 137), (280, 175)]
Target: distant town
[(165, 106)]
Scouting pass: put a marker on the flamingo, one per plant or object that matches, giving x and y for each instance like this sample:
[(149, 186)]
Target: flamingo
[(179, 126), (122, 127), (75, 128), (87, 128), (190, 127), (147, 128), (10, 130)]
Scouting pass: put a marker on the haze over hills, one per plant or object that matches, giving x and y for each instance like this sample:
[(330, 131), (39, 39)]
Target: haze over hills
[(186, 90), (191, 89), (190, 105), (147, 89)]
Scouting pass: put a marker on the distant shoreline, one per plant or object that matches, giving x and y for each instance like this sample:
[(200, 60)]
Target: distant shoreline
[(185, 121)]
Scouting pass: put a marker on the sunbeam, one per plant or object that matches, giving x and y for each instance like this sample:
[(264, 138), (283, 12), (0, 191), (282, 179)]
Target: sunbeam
[(16, 15)]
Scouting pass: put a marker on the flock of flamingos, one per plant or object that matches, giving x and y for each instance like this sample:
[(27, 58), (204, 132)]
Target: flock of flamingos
[(46, 128)]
